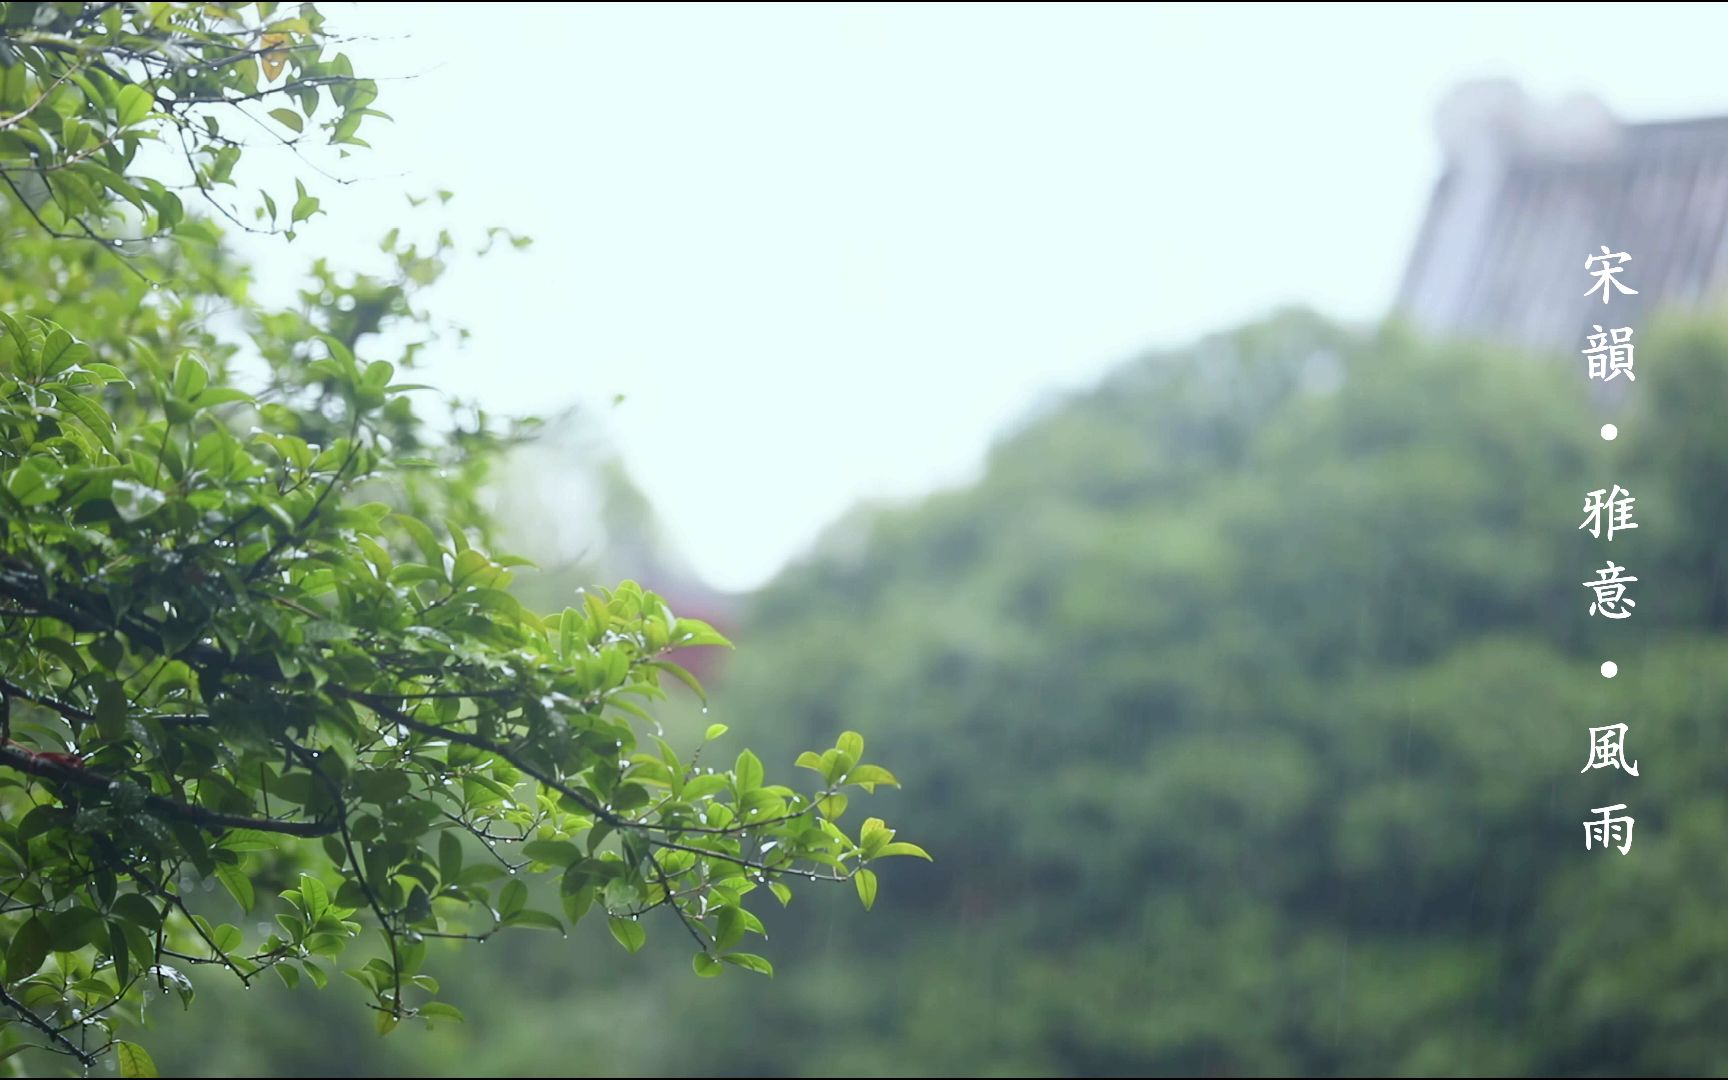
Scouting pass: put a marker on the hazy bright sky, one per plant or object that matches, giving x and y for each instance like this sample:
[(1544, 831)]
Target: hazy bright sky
[(828, 253)]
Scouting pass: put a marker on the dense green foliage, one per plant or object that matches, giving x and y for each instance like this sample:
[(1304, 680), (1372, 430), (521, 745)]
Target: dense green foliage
[(1250, 693), (1245, 698), (235, 650)]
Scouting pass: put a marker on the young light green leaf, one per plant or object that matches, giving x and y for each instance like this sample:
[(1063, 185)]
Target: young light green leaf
[(629, 932), (750, 962), (747, 772), (866, 882), (901, 847)]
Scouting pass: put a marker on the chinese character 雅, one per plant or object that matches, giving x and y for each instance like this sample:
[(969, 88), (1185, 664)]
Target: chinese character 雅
[(1606, 278), (1610, 353), (1608, 750), (1618, 503), (1611, 592), (1609, 829)]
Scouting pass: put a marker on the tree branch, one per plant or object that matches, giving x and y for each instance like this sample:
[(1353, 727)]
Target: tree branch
[(66, 709), (61, 1043), (28, 761)]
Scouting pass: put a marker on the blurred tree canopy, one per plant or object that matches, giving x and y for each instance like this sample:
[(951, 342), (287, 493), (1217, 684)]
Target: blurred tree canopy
[(1246, 699), (235, 649), (1266, 670)]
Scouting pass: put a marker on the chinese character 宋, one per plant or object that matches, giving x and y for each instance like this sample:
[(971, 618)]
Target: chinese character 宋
[(1608, 750), (1610, 353), (1611, 593), (1619, 506), (1605, 831), (1607, 278)]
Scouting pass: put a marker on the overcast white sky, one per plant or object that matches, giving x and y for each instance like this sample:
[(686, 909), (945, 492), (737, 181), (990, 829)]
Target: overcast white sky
[(829, 252)]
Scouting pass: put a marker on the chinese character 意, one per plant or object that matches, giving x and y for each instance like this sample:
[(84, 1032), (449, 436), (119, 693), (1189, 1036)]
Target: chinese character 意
[(1611, 592), (1606, 278), (1608, 750), (1619, 506), (1610, 353), (1604, 831)]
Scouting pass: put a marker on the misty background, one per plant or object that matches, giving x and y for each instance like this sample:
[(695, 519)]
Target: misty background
[(1028, 388)]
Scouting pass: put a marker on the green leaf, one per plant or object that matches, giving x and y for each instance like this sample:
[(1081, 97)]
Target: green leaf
[(866, 882), (703, 786), (74, 928), (555, 852), (239, 886), (131, 106), (304, 205), (850, 742), (512, 898), (687, 679), (629, 932), (89, 414), (440, 1010), (747, 772), (29, 947), (535, 920), (289, 119), (314, 898), (714, 732), (870, 776), (220, 395), (30, 485), (729, 928), (449, 856), (120, 950), (60, 351), (134, 501), (706, 966), (901, 847), (873, 836), (226, 938), (190, 377), (136, 908), (132, 1059), (423, 539), (750, 962)]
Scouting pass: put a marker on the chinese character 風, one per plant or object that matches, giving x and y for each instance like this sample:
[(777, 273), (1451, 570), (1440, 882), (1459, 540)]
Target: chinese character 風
[(1608, 750)]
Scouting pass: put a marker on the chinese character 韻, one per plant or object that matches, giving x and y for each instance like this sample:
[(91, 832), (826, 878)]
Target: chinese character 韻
[(1610, 353)]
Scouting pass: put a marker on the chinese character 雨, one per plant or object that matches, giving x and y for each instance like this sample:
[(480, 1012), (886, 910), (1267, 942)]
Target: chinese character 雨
[(1610, 353), (1606, 278), (1611, 592), (1608, 750), (1608, 829), (1618, 503)]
